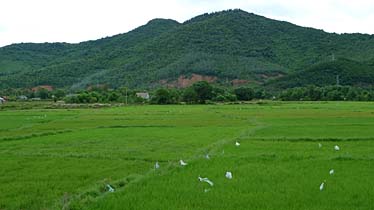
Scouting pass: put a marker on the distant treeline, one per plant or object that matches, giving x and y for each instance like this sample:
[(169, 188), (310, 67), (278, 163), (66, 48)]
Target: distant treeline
[(199, 93), (327, 93)]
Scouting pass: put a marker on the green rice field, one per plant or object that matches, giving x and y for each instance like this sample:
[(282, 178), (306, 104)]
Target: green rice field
[(66, 158)]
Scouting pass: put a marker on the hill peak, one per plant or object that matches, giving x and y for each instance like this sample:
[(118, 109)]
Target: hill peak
[(229, 45), (233, 13), (163, 21)]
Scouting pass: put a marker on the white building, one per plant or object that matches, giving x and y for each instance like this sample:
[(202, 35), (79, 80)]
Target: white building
[(143, 95), (22, 97)]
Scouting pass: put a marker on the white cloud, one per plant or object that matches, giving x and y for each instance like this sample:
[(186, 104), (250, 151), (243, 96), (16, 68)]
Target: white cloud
[(80, 20)]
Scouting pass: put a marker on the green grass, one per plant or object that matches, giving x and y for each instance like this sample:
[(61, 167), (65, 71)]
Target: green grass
[(60, 158)]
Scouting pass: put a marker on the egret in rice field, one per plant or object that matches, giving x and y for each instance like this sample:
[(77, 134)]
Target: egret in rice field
[(110, 188), (206, 180), (182, 163), (237, 144), (228, 175), (207, 156), (322, 185), (331, 172), (319, 145), (157, 166), (336, 148)]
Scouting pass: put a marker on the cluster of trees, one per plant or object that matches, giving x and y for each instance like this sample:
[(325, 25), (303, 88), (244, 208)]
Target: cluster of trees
[(15, 94), (327, 93), (199, 93), (104, 95), (202, 92)]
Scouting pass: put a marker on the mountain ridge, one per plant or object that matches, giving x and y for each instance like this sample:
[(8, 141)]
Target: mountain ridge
[(229, 45)]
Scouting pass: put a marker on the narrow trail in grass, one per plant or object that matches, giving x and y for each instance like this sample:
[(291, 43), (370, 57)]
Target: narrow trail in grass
[(214, 149), (49, 133), (53, 133)]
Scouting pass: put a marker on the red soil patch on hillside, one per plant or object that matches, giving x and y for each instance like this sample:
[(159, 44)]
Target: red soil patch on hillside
[(237, 82), (184, 81)]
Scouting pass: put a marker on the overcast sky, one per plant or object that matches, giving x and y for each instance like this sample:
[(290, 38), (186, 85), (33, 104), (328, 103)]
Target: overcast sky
[(80, 20)]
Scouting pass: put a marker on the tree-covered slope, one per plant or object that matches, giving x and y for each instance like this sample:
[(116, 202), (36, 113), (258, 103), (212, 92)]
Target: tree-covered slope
[(78, 62), (341, 71), (229, 45)]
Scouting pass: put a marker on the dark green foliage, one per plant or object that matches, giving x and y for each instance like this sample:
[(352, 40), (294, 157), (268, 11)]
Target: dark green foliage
[(244, 93), (221, 94), (342, 71), (59, 94), (42, 93), (113, 96), (190, 95), (327, 93), (164, 96), (101, 96), (200, 92), (204, 91), (230, 44)]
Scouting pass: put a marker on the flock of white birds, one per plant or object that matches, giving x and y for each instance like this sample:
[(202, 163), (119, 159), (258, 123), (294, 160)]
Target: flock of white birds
[(332, 171), (182, 163), (228, 174)]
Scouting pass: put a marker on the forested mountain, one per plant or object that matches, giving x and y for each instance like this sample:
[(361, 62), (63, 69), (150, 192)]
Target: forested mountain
[(341, 71), (225, 45)]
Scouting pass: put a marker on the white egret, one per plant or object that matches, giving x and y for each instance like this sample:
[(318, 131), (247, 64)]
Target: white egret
[(183, 163), (237, 144), (206, 180), (319, 145), (331, 171), (228, 175), (322, 185), (336, 148), (110, 188), (157, 166), (207, 156)]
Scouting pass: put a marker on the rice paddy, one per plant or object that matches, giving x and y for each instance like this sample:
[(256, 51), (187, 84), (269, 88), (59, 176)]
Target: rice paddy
[(66, 158)]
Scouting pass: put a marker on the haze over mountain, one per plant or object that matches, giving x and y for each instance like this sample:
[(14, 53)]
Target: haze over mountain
[(224, 47)]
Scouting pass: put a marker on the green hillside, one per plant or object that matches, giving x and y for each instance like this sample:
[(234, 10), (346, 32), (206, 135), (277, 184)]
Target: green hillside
[(342, 71), (229, 45)]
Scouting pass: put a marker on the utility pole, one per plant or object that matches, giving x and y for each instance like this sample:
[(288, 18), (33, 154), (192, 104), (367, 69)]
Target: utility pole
[(126, 96)]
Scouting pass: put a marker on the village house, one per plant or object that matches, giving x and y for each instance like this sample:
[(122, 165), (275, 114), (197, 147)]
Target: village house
[(2, 100), (143, 95)]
